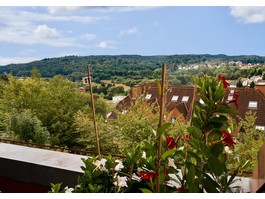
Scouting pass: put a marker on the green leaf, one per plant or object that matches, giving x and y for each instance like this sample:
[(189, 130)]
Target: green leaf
[(194, 155), (209, 185), (215, 165), (56, 187), (144, 190), (230, 181), (191, 175), (162, 129), (217, 149), (168, 153), (197, 122), (204, 149), (224, 108), (195, 132)]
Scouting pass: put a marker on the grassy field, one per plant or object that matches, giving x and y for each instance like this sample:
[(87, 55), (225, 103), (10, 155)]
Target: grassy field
[(126, 88)]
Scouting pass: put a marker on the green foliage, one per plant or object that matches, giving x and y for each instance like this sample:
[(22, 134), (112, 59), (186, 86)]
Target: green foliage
[(248, 136), (28, 128), (252, 84), (200, 154), (239, 84), (132, 69), (54, 102)]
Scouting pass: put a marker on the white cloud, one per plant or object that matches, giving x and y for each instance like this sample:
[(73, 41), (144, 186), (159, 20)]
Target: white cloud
[(249, 14), (104, 9), (106, 44), (63, 9), (16, 60), (44, 32), (20, 27), (30, 35), (130, 31)]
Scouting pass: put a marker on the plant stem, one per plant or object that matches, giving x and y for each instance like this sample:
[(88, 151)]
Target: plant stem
[(161, 121)]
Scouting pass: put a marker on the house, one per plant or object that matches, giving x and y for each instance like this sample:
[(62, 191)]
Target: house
[(180, 101), (117, 99), (255, 79)]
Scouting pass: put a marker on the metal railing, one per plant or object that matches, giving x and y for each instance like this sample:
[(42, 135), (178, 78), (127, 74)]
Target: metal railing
[(57, 148)]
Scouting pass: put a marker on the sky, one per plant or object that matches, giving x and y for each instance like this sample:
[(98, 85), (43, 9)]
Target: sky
[(34, 33)]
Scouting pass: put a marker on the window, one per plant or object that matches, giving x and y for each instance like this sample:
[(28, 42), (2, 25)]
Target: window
[(185, 98), (148, 96), (260, 128), (253, 104), (174, 98), (232, 91), (173, 119), (230, 97)]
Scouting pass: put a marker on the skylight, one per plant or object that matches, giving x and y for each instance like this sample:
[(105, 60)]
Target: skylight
[(230, 97), (148, 96), (185, 98), (252, 104), (175, 98)]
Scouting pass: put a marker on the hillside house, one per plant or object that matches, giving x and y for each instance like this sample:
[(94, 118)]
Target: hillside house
[(180, 101)]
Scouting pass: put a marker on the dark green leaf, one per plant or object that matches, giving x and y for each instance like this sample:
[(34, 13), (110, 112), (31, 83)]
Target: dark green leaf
[(215, 165), (168, 153), (144, 190), (217, 149), (162, 129), (224, 108)]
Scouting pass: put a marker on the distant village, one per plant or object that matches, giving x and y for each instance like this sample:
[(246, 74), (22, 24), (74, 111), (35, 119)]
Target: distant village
[(208, 64)]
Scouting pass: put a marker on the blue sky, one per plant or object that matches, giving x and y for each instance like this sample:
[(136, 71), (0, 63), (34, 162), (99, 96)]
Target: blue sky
[(32, 33)]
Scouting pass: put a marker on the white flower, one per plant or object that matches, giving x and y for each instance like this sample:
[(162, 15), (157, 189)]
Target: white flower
[(135, 177), (227, 150), (172, 183), (119, 166), (139, 170), (100, 164), (121, 182), (144, 155), (68, 190), (171, 163)]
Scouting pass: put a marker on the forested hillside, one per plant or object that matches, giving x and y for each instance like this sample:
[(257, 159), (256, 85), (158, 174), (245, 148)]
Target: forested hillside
[(118, 68)]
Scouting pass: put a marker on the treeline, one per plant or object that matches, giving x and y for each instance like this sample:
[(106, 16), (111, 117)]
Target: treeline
[(53, 111), (127, 69), (44, 111)]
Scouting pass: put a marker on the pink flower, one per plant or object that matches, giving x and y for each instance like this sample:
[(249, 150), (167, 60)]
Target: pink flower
[(147, 175), (225, 84), (187, 137), (227, 138)]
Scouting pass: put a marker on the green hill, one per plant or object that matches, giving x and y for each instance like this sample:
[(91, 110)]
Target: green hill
[(106, 67)]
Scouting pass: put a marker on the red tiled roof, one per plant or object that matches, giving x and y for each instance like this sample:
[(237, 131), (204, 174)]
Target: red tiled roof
[(185, 108)]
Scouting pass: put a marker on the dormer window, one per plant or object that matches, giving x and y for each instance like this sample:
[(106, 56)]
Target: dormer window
[(148, 96), (230, 97), (175, 98), (253, 104), (185, 98)]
